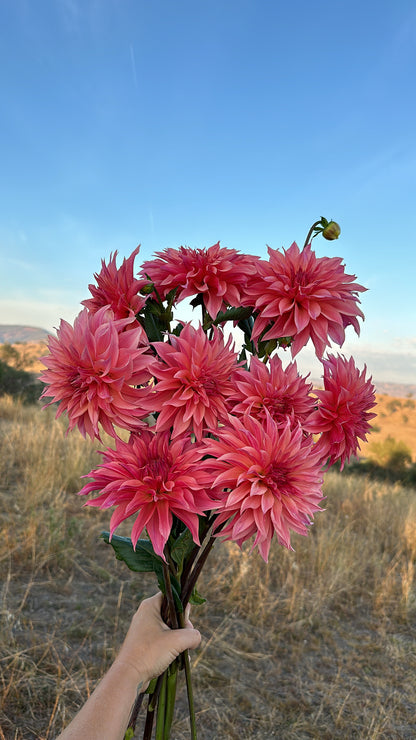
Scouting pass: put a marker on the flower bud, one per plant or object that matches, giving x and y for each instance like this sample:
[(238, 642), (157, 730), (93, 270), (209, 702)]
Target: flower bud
[(147, 289), (331, 231)]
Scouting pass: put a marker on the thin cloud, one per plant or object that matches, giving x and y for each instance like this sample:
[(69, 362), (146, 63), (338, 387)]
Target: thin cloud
[(133, 66)]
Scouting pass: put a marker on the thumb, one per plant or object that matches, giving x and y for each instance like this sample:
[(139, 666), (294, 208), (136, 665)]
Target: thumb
[(184, 639)]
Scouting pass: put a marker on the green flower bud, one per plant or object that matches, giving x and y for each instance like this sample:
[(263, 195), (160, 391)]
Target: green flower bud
[(331, 231), (147, 289)]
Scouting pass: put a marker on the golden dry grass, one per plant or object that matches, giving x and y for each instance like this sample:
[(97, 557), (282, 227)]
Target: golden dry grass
[(396, 418), (319, 643), (27, 356)]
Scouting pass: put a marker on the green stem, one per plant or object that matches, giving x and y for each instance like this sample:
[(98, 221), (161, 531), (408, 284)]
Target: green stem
[(161, 710), (169, 596), (189, 690), (134, 713), (149, 721), (170, 698), (192, 577), (151, 706), (148, 724), (189, 563), (205, 527), (190, 693), (313, 227)]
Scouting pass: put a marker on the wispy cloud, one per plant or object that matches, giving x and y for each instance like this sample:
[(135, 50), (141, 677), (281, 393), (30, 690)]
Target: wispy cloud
[(20, 264), (70, 12), (133, 66), (44, 314)]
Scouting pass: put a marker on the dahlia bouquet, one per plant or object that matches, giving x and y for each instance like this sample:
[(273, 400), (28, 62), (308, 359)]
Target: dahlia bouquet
[(217, 442)]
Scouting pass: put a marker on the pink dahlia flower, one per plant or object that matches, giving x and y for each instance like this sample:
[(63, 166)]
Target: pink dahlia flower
[(91, 372), (119, 289), (194, 382), (268, 480), (300, 295), (151, 478), (218, 274), (281, 392), (342, 416)]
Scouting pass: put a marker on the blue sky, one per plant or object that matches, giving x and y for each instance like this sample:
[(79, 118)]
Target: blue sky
[(161, 123)]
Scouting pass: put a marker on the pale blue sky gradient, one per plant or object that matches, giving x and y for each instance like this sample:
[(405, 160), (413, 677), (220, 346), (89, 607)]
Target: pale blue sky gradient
[(160, 123)]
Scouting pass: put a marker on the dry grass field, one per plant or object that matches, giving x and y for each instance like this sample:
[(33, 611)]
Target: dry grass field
[(321, 643), (396, 418), (24, 355)]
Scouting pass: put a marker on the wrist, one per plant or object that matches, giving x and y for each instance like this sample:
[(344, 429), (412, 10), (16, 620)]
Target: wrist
[(129, 674)]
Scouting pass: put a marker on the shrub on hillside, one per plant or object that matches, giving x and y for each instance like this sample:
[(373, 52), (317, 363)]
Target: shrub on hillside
[(391, 454), (18, 384), (389, 460), (393, 405)]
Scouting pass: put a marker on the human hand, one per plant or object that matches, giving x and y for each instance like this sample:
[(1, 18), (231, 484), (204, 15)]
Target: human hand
[(150, 645)]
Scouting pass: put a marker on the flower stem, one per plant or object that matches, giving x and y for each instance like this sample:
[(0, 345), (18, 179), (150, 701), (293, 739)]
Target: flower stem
[(170, 698), (189, 689), (313, 227), (161, 710), (193, 576), (151, 706), (173, 619), (134, 713), (148, 724)]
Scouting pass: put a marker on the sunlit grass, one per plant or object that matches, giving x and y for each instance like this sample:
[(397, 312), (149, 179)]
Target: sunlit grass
[(319, 643)]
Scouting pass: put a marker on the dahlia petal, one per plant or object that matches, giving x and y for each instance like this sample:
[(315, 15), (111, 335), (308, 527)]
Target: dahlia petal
[(301, 293), (92, 377), (342, 416), (274, 488), (194, 382), (159, 526), (218, 274), (152, 478)]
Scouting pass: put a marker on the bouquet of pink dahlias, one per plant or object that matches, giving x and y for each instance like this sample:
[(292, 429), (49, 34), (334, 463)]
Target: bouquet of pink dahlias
[(223, 444)]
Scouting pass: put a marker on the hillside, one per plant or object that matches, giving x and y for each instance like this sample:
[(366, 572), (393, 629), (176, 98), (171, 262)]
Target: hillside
[(398, 390), (19, 334), (396, 418), (16, 334)]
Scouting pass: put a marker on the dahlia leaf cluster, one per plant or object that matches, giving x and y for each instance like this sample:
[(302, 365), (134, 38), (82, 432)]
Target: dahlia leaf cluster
[(225, 437)]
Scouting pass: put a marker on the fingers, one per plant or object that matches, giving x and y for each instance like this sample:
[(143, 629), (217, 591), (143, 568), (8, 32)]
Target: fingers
[(184, 639), (155, 602), (188, 622), (193, 638)]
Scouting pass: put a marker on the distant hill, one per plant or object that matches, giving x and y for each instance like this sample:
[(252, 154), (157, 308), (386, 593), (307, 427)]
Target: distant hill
[(398, 390), (14, 334)]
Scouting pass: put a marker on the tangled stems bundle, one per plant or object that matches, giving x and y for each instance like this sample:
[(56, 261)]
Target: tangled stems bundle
[(162, 691), (222, 443)]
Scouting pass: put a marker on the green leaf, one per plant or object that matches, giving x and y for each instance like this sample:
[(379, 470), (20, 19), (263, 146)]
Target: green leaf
[(242, 357), (236, 313), (151, 326), (180, 548), (175, 585), (265, 349), (197, 301), (170, 298), (177, 330), (176, 590), (196, 599), (142, 559)]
